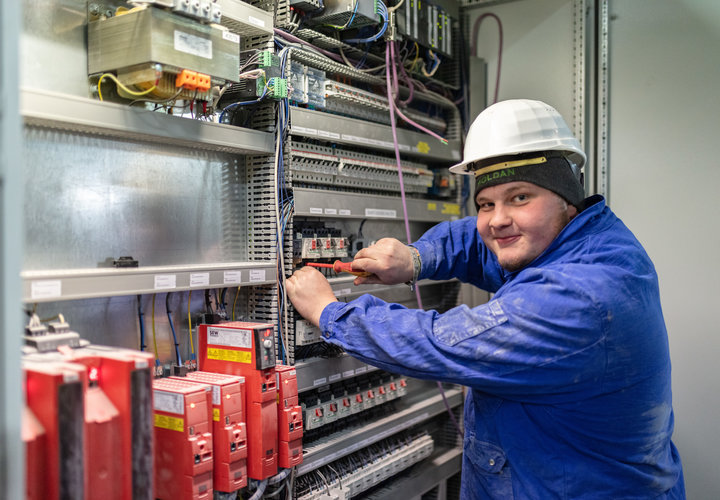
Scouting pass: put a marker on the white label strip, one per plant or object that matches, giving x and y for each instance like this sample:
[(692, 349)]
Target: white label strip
[(344, 211), (47, 289), (304, 130), (216, 395), (199, 279), (342, 291), (256, 21), (362, 369), (165, 281), (329, 135), (231, 277), (193, 45), (229, 337), (315, 210), (320, 381), (334, 377), (231, 37), (169, 402), (378, 212), (331, 211), (257, 275), (348, 373)]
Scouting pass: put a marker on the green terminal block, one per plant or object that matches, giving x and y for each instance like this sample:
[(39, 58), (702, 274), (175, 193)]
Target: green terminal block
[(277, 88), (268, 59)]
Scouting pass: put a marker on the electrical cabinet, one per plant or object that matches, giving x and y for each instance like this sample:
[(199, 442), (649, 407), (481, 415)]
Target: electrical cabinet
[(146, 218)]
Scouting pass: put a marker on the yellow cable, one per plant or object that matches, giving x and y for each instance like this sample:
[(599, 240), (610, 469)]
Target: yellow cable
[(123, 87), (235, 303), (192, 346), (153, 327), (417, 55)]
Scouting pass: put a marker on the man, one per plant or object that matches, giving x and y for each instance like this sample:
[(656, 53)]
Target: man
[(568, 364)]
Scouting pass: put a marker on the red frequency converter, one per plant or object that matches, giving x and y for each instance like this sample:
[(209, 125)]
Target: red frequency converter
[(54, 392), (229, 430), (183, 440), (290, 425), (248, 350), (125, 376)]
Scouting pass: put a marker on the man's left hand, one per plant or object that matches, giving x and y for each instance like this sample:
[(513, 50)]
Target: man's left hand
[(309, 292)]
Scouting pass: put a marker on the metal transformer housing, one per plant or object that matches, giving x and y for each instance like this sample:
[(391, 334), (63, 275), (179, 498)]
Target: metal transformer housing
[(155, 36)]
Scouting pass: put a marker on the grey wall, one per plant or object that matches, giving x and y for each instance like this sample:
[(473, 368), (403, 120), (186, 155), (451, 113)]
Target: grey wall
[(665, 174)]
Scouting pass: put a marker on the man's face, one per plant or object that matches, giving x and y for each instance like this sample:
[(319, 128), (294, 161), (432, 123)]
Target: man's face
[(518, 220)]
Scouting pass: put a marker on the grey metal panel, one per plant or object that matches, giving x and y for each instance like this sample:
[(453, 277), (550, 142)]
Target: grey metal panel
[(154, 35), (335, 204), (54, 285), (91, 116), (90, 200), (343, 130), (12, 451), (349, 442)]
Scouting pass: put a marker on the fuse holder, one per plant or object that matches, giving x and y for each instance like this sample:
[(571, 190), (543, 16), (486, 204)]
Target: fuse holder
[(187, 79)]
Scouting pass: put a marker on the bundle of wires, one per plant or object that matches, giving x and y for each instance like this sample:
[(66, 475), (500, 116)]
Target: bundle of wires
[(383, 13)]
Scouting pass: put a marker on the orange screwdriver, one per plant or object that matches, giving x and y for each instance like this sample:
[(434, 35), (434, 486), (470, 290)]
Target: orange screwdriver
[(340, 267)]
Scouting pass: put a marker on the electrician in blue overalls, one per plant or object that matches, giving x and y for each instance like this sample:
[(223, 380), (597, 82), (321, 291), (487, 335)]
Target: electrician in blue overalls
[(568, 364)]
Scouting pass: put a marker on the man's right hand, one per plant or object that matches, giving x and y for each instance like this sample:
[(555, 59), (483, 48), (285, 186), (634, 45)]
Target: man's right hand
[(389, 260)]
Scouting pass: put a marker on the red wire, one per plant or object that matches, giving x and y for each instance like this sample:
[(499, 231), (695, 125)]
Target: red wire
[(476, 29)]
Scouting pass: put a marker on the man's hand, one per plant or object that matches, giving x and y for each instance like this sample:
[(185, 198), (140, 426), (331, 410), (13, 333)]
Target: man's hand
[(309, 292), (389, 261)]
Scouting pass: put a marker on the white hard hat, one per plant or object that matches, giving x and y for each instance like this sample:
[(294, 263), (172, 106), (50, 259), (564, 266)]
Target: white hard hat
[(518, 126)]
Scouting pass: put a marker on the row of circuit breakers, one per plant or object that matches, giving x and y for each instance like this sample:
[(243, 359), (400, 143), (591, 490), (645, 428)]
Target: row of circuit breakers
[(97, 425)]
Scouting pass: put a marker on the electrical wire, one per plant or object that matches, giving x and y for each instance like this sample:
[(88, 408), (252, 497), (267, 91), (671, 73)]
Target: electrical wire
[(192, 343), (396, 7), (237, 294), (242, 103), (157, 360), (383, 13), (122, 86), (347, 24), (172, 328), (364, 70), (432, 72), (389, 60), (142, 323), (474, 47)]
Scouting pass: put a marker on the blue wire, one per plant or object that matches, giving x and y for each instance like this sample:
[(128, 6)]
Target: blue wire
[(383, 13), (242, 103), (172, 328)]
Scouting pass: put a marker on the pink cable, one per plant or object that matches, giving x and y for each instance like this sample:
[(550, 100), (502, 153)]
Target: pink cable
[(390, 53), (476, 28), (407, 79), (393, 125)]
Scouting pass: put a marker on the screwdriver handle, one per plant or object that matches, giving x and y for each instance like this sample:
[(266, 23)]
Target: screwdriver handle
[(346, 267)]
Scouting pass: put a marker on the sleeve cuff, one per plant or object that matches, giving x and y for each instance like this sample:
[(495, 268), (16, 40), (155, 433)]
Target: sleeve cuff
[(327, 318)]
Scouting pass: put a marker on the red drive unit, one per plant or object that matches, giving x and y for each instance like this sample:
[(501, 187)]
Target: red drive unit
[(290, 425), (54, 392), (248, 350), (183, 440), (35, 441), (125, 377), (229, 429)]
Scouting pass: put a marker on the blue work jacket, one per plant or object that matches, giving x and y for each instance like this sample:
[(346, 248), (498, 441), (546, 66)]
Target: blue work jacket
[(567, 365)]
